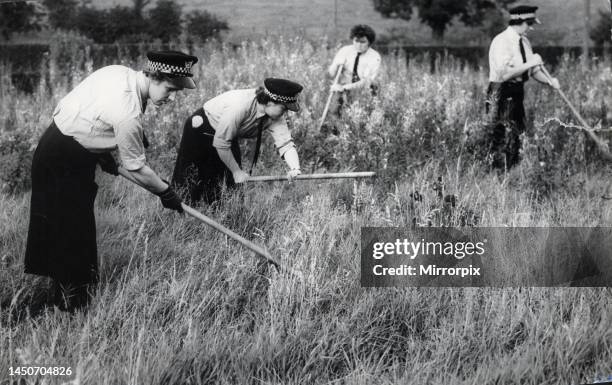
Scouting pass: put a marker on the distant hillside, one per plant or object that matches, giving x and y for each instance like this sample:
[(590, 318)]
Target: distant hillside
[(563, 20)]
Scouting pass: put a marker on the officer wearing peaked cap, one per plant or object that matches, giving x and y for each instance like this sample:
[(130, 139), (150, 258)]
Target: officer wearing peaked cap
[(102, 114), (209, 151), (511, 63)]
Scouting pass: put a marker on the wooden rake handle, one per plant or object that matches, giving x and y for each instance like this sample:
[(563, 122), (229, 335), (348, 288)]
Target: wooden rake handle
[(340, 175), (329, 98), (217, 226), (601, 145)]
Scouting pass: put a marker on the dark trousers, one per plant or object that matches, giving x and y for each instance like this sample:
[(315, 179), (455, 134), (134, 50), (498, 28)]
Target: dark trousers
[(62, 231), (505, 104), (199, 172)]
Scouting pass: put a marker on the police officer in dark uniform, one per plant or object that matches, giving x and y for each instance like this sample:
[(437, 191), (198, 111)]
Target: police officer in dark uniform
[(102, 114)]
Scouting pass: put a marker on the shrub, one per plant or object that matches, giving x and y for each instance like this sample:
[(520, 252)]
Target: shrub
[(602, 32), (165, 20), (202, 25), (16, 150)]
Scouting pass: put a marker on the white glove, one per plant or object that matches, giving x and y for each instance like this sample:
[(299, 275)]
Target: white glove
[(292, 159), (293, 173), (337, 88), (554, 83), (240, 176)]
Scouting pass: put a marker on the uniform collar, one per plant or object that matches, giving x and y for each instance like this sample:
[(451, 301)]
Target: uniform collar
[(512, 32), (363, 53)]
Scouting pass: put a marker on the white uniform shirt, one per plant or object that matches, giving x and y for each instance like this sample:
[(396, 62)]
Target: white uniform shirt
[(236, 114), (104, 112), (367, 68), (505, 53)]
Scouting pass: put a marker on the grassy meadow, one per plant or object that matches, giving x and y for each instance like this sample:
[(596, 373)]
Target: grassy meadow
[(179, 303)]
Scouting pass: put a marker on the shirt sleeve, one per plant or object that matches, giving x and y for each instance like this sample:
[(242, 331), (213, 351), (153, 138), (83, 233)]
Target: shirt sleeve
[(529, 55), (500, 58), (281, 135), (227, 128), (129, 134), (371, 71), (339, 60)]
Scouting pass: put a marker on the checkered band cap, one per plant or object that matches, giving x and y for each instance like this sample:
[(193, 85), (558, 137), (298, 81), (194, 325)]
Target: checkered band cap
[(173, 63), (523, 13), (282, 90), (280, 98), (523, 16), (155, 66)]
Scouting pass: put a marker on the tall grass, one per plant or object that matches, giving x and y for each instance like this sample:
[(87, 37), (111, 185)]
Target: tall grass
[(180, 303)]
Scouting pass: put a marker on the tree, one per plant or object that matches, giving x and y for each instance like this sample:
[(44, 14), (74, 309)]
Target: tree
[(165, 20), (438, 14), (18, 16), (202, 25), (122, 24), (600, 33), (61, 13), (91, 22), (138, 7)]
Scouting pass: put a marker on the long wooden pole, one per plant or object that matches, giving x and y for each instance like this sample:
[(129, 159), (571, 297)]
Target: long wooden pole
[(206, 220), (340, 175), (329, 98), (603, 147)]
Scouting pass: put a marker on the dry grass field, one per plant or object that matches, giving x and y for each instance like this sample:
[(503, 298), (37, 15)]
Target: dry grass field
[(179, 303)]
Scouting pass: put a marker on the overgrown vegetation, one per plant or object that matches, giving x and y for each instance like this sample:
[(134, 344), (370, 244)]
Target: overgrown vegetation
[(179, 303)]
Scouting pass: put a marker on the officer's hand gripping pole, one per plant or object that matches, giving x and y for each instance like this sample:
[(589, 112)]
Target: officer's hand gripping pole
[(329, 98), (601, 145), (245, 242), (340, 175)]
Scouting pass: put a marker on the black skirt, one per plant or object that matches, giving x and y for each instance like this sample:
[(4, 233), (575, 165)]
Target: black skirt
[(199, 173), (505, 103), (62, 231)]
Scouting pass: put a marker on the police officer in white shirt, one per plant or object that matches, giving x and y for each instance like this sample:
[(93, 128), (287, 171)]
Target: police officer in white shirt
[(209, 153), (102, 114), (359, 64), (511, 63)]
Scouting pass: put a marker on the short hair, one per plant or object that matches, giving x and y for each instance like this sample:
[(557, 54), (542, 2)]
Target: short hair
[(362, 30), (158, 76), (519, 22), (262, 97)]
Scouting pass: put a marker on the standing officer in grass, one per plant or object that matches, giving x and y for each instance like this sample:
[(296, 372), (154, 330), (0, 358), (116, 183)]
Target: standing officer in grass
[(103, 113), (209, 151), (359, 64), (511, 63)]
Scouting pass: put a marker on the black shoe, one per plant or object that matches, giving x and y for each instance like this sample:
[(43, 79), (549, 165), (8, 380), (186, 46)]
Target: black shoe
[(71, 297)]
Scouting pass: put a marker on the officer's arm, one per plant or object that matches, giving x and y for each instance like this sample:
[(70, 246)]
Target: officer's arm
[(226, 156), (225, 132), (541, 77), (336, 63), (512, 72), (148, 179), (129, 137), (228, 159)]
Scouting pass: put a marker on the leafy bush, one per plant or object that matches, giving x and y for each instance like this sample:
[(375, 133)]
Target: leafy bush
[(202, 25), (16, 150), (602, 32), (164, 20)]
